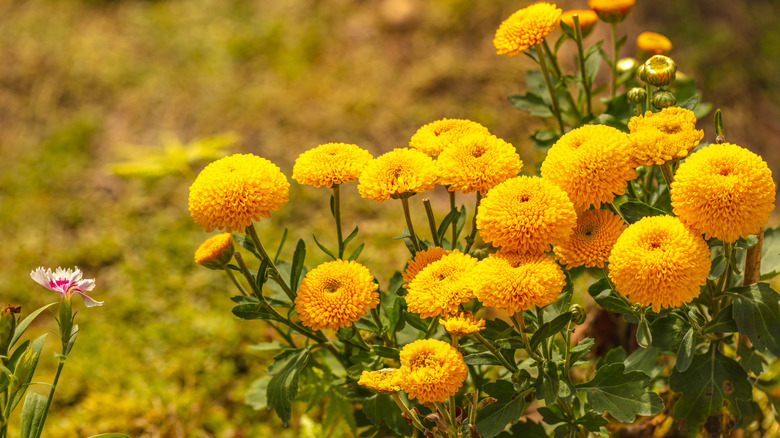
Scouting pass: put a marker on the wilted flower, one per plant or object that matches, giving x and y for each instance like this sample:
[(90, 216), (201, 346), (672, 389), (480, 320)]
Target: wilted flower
[(66, 282)]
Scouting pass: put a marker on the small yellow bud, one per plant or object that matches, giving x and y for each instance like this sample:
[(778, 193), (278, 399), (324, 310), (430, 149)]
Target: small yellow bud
[(216, 252), (637, 95), (579, 314), (659, 70), (663, 99)]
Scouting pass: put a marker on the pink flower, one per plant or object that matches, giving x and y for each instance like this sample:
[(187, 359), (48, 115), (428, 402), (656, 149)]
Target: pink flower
[(66, 282)]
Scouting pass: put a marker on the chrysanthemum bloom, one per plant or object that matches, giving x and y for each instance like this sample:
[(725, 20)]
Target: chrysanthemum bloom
[(595, 234), (398, 173), (231, 192), (384, 381), (723, 191), (591, 164), (515, 282), (420, 260), (431, 370), (527, 214), (611, 11), (525, 28), (215, 252), (330, 163), (659, 262), (462, 324), (663, 136), (66, 282), (652, 42), (477, 162), (586, 17), (436, 136), (336, 294), (439, 288)]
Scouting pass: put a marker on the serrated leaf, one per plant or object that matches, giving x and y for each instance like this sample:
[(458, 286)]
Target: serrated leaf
[(712, 382), (255, 396), (623, 394), (283, 386), (492, 419), (580, 350), (33, 412), (686, 351), (633, 211), (757, 314)]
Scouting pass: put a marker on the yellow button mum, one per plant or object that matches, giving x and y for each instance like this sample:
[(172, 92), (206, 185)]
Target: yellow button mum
[(462, 323), (336, 294), (431, 370), (591, 164), (477, 162), (384, 381), (231, 192), (398, 173), (595, 234), (515, 282), (664, 136), (330, 163), (439, 288), (420, 260), (525, 28), (527, 214), (653, 42), (659, 262), (215, 252), (723, 191), (436, 136)]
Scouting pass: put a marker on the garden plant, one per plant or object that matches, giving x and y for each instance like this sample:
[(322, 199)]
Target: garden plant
[(632, 212)]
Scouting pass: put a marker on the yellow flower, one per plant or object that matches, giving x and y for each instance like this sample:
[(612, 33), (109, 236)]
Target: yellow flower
[(336, 294), (723, 191), (525, 28), (527, 214), (612, 11), (431, 370), (384, 381), (421, 260), (664, 136), (215, 252), (586, 17), (595, 234), (439, 288), (436, 136), (477, 162), (330, 163), (230, 192), (652, 42), (591, 164), (659, 262), (462, 323), (398, 173)]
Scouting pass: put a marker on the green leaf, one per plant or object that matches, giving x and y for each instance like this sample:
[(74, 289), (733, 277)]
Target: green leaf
[(356, 253), (525, 429), (770, 254), (718, 267), (668, 331), (644, 360), (690, 103), (297, 264), (644, 337), (607, 298), (623, 394), (339, 406), (757, 313), (633, 211), (22, 326), (592, 421), (686, 351), (325, 250), (36, 347), (750, 359), (712, 382), (484, 358), (283, 386), (395, 314), (382, 409), (723, 322), (32, 414), (581, 349), (415, 321), (531, 103), (252, 311), (256, 396), (281, 245), (492, 419), (388, 352), (544, 138), (549, 329), (445, 223), (746, 242), (350, 237), (547, 383)]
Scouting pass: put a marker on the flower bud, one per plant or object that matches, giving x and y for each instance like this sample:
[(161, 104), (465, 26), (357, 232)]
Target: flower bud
[(626, 65), (586, 17), (578, 314), (8, 320), (216, 252), (24, 366), (663, 99), (652, 42), (611, 11), (641, 73), (637, 95), (659, 70)]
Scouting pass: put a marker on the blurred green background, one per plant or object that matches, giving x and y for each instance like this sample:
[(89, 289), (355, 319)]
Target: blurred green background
[(87, 84)]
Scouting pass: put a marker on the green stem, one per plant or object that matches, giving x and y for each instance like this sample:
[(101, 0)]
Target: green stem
[(431, 221), (473, 235), (649, 92), (581, 57), (274, 270), (540, 322), (453, 207), (616, 211), (408, 217), (235, 282), (432, 327), (548, 83), (39, 430), (631, 190), (649, 181), (567, 360), (495, 352), (666, 169), (614, 59), (362, 341), (337, 216), (378, 321), (520, 326), (558, 77), (410, 414), (453, 418)]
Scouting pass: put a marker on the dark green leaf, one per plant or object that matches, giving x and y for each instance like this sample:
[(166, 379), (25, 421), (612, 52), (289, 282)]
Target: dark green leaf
[(283, 386), (623, 394), (32, 414), (723, 322), (339, 406), (757, 314), (356, 253), (502, 390), (547, 383), (544, 138), (751, 360), (388, 352), (668, 331), (770, 254), (381, 408), (484, 358), (531, 103), (325, 250), (395, 313), (281, 245), (350, 237), (534, 79), (592, 421), (746, 242), (690, 103), (445, 223), (256, 396), (297, 264), (712, 382), (36, 346), (551, 415), (581, 349), (395, 284), (607, 298), (644, 337), (23, 324), (252, 311), (246, 242), (636, 210), (718, 267), (525, 429), (549, 329), (415, 321), (492, 419), (562, 303), (644, 360), (686, 351)]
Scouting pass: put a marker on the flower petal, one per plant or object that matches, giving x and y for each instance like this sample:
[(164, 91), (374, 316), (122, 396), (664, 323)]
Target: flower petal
[(42, 277), (88, 301)]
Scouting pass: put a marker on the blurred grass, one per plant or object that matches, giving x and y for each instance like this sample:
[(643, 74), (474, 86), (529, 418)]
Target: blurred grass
[(83, 79)]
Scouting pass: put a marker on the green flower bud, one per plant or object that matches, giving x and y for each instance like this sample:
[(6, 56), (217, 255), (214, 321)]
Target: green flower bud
[(24, 366), (578, 314), (8, 320), (663, 99), (637, 95), (659, 70), (641, 73)]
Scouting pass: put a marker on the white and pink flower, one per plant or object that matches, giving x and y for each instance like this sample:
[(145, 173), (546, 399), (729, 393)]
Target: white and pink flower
[(66, 282)]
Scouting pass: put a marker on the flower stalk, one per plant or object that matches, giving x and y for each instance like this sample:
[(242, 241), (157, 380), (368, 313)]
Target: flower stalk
[(550, 89)]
